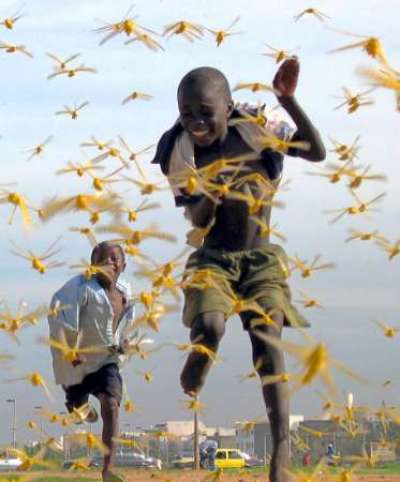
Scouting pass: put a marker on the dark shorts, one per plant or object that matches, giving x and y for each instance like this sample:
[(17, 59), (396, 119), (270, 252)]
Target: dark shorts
[(259, 274), (106, 379)]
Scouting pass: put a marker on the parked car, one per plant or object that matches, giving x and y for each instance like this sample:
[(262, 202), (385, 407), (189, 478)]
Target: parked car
[(130, 459), (229, 459), (9, 464), (252, 461), (183, 462)]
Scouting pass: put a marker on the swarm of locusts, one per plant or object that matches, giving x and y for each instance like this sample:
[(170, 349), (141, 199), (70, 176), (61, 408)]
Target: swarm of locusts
[(112, 193)]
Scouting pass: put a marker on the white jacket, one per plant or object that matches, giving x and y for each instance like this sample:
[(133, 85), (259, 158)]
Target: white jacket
[(86, 309)]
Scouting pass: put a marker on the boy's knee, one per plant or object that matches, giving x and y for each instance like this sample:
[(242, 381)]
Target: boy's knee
[(274, 328), (268, 359), (262, 364), (208, 327)]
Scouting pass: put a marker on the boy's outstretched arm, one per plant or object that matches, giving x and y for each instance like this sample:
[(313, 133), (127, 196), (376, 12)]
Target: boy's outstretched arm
[(285, 82)]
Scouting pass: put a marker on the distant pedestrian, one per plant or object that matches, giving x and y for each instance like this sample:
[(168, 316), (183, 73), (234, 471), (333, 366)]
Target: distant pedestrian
[(307, 459)]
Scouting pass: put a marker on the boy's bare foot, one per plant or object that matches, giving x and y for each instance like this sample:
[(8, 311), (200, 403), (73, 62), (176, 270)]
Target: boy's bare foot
[(194, 373), (84, 413), (89, 413), (92, 415)]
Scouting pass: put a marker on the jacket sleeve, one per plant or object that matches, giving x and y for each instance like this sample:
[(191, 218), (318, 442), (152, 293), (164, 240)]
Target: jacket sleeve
[(67, 304)]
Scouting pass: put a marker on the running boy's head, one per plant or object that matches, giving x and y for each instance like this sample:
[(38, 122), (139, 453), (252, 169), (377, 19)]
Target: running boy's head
[(205, 104), (111, 256)]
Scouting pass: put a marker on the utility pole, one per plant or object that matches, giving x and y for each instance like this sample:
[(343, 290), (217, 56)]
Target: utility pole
[(265, 450), (37, 408), (14, 421), (67, 453), (131, 434), (196, 440)]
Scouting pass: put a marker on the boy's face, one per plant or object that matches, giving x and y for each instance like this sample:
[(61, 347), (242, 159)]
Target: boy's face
[(204, 114), (110, 258)]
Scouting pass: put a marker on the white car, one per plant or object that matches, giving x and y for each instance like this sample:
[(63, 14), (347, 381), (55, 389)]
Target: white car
[(9, 464), (251, 461)]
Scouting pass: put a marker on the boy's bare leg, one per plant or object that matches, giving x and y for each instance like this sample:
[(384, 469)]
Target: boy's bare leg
[(276, 397), (109, 414), (207, 329)]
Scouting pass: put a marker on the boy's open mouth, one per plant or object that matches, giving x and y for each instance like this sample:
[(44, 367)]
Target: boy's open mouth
[(200, 133)]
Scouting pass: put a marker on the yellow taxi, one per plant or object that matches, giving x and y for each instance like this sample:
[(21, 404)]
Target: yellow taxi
[(229, 459)]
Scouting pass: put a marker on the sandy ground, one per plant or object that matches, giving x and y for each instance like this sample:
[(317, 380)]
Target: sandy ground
[(189, 476), (186, 476), (237, 478)]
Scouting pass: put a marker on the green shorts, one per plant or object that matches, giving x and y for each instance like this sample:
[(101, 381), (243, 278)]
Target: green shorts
[(258, 274)]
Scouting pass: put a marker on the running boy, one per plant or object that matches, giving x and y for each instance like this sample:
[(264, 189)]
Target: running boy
[(236, 249), (99, 311)]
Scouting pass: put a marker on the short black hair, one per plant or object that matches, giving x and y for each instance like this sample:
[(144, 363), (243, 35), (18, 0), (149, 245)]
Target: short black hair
[(102, 245), (206, 76)]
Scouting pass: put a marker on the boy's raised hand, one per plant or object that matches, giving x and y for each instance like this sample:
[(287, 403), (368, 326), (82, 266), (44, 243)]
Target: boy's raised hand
[(124, 346), (285, 80), (79, 360)]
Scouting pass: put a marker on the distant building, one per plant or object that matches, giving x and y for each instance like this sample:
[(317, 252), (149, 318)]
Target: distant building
[(225, 437), (136, 441), (179, 428), (258, 441), (179, 438), (318, 434), (75, 447)]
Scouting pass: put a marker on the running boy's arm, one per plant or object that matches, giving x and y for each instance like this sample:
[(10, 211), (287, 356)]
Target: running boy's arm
[(201, 212), (285, 82), (64, 321)]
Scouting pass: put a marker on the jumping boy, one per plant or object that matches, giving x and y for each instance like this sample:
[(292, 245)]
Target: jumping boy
[(99, 311), (235, 249)]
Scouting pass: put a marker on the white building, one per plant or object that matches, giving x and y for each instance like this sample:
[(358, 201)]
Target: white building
[(257, 441)]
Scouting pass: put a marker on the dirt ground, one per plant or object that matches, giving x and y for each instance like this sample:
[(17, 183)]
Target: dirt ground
[(187, 476)]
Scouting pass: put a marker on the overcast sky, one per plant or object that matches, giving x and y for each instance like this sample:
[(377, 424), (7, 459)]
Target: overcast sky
[(363, 288)]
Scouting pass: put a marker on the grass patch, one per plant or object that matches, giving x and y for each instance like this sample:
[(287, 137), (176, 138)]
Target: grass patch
[(66, 479), (384, 468), (392, 468), (48, 478)]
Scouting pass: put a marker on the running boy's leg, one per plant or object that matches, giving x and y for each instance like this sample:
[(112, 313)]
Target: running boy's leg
[(77, 402), (107, 387), (207, 329), (270, 361), (110, 414), (76, 396)]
